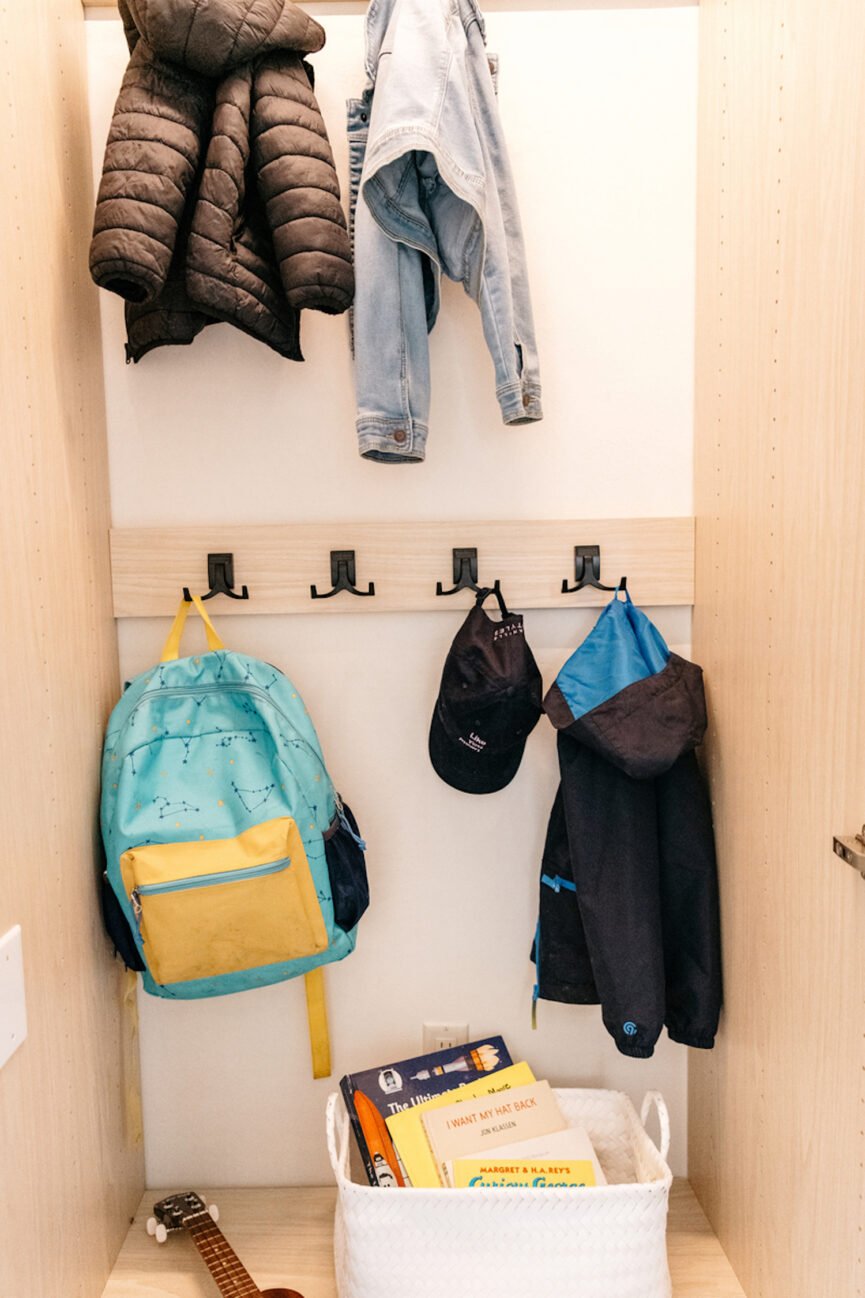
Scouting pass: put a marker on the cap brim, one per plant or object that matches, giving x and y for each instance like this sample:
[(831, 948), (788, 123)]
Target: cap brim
[(468, 771)]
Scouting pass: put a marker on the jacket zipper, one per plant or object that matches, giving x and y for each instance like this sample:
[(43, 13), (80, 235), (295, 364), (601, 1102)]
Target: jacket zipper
[(557, 883)]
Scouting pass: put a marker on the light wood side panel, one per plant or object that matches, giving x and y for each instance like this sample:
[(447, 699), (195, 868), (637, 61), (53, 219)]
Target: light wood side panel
[(491, 4), (69, 1173), (285, 1237), (776, 1111), (151, 566)]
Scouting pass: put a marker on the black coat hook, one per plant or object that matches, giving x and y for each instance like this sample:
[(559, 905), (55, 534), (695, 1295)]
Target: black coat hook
[(343, 575), (587, 571), (465, 573), (220, 579)]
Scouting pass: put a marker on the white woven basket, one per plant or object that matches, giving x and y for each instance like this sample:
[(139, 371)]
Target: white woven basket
[(600, 1242)]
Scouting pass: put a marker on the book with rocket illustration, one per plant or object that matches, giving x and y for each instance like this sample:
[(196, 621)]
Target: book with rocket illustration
[(376, 1094)]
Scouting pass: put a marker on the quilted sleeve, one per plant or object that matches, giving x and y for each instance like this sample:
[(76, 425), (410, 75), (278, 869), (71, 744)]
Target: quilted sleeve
[(298, 184), (151, 159)]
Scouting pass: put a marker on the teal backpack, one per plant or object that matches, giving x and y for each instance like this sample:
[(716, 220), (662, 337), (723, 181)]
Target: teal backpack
[(231, 861)]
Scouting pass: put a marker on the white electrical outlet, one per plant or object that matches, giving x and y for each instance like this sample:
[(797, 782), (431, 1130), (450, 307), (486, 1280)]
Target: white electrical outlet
[(441, 1036), (13, 1011)]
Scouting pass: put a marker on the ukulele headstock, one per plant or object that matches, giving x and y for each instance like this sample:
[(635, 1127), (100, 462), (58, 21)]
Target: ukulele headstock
[(176, 1212)]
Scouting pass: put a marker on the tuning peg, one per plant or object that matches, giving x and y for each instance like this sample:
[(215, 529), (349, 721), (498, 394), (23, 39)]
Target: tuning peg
[(214, 1212), (151, 1225), (161, 1233)]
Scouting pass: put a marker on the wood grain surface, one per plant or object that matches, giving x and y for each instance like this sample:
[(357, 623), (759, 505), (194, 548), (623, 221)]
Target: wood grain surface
[(405, 560), (776, 1111), (285, 1237), (70, 1173)]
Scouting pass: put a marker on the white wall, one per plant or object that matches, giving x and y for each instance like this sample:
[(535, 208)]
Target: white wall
[(600, 111)]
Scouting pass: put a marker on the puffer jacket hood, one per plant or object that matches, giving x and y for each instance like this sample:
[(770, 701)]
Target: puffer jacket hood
[(624, 695), (212, 37)]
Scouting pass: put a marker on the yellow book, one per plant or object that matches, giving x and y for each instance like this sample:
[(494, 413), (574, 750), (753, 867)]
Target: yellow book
[(407, 1130), (487, 1174)]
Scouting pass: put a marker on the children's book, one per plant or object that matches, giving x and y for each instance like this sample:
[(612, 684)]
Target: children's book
[(407, 1129), (375, 1094), (569, 1146), (478, 1126), (479, 1174)]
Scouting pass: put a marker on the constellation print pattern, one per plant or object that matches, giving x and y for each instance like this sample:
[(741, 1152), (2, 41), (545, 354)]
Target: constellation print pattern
[(253, 799), (246, 705), (293, 743), (236, 737), (165, 808)]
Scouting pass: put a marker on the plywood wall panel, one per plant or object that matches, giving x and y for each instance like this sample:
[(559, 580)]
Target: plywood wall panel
[(776, 1111), (70, 1170)]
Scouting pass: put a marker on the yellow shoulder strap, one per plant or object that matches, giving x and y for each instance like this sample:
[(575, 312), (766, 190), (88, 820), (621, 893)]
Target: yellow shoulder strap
[(129, 1060), (172, 644), (316, 1010)]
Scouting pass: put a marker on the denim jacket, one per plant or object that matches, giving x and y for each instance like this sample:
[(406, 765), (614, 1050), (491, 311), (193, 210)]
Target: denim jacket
[(432, 191)]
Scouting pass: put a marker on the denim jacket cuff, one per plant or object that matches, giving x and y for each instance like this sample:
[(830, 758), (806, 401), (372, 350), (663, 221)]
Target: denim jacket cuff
[(391, 441), (520, 402)]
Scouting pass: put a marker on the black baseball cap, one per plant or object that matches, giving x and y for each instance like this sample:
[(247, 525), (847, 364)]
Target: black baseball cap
[(489, 701)]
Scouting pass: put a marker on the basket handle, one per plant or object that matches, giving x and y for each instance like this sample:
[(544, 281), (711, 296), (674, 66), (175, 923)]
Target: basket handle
[(656, 1099), (337, 1137)]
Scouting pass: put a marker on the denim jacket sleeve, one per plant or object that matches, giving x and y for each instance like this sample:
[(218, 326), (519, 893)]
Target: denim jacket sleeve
[(436, 194)]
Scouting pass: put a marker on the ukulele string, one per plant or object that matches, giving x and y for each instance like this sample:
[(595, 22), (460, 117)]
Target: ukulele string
[(217, 1252)]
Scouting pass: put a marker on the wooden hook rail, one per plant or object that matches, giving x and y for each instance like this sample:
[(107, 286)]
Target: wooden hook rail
[(404, 561)]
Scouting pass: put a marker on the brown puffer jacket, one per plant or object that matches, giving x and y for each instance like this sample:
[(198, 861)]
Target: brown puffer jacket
[(219, 199)]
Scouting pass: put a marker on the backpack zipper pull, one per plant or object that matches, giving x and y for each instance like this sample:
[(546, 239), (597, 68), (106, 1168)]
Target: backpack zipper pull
[(344, 821), (135, 899)]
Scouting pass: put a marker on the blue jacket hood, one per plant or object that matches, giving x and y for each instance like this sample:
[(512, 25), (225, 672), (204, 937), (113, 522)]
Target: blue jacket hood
[(627, 697)]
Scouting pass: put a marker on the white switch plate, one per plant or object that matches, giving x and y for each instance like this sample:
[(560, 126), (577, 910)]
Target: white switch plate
[(13, 1010)]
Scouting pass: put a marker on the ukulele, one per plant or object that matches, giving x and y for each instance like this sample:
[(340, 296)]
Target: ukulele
[(188, 1212)]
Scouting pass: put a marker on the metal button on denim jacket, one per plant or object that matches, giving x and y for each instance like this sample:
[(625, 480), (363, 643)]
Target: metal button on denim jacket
[(431, 192)]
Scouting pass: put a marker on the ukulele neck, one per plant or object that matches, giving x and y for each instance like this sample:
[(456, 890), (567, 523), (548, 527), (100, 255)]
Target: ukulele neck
[(231, 1276)]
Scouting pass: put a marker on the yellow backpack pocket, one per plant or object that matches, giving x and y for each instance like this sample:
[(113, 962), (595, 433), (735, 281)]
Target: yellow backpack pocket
[(218, 907)]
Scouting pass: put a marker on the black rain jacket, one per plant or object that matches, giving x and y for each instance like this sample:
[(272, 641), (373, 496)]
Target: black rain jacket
[(629, 912)]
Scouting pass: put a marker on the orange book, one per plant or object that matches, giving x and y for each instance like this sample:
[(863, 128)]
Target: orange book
[(378, 1141)]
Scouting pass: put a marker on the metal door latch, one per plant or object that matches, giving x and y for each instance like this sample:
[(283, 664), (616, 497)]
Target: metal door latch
[(852, 850)]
